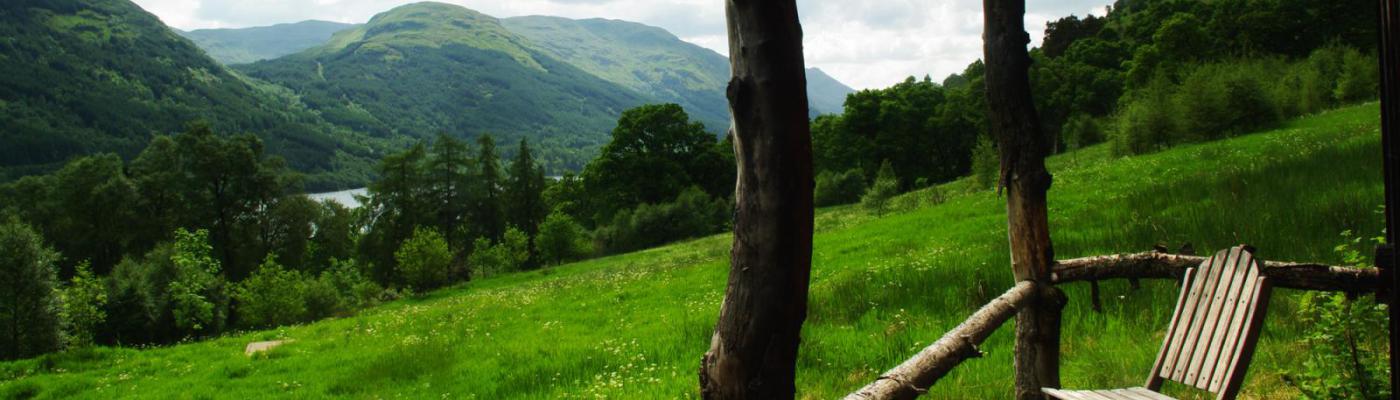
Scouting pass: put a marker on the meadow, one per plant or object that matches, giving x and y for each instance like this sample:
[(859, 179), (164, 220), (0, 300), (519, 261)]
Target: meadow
[(635, 325)]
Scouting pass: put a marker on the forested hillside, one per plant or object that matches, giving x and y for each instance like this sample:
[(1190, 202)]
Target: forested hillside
[(429, 68), (245, 45), (83, 77)]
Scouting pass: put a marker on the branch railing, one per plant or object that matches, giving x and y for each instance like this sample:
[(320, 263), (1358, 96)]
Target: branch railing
[(916, 375)]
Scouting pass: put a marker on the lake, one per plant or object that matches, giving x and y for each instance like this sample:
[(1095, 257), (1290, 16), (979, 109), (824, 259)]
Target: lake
[(344, 197)]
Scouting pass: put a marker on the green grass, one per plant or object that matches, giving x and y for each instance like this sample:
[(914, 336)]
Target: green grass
[(635, 325)]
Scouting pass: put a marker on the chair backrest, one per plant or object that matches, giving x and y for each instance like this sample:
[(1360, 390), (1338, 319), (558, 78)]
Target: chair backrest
[(1216, 324)]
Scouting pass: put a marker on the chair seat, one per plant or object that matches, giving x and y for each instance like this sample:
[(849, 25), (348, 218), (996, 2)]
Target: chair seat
[(1136, 393)]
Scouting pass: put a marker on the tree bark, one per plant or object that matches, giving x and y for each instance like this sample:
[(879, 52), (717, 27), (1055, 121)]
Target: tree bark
[(753, 353), (913, 377), (1305, 276), (1024, 146), (1389, 12)]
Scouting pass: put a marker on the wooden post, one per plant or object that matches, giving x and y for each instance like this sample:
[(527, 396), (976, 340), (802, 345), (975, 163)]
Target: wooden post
[(753, 353), (1024, 146), (1390, 122)]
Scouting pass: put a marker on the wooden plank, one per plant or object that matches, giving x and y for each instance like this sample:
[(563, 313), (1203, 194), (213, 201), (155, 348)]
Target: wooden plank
[(1152, 265), (1154, 380), (1187, 308), (1205, 343), (1240, 362), (1199, 307), (1218, 325), (1248, 297)]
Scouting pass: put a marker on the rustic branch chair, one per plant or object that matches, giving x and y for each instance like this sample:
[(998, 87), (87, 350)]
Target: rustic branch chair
[(1212, 334)]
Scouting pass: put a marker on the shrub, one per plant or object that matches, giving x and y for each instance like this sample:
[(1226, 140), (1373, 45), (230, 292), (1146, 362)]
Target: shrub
[(354, 289), (271, 296), (84, 307), (1345, 338), (425, 261), (1145, 122), (1359, 79), (839, 188), (197, 298), (1079, 131), (560, 239), (986, 163), (28, 310), (488, 259), (517, 247), (692, 214), (886, 186)]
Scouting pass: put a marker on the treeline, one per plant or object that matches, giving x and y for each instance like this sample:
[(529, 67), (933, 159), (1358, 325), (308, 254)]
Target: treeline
[(203, 233), (1148, 75)]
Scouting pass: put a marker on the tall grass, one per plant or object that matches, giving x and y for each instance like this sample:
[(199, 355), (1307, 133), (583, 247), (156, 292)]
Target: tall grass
[(635, 325)]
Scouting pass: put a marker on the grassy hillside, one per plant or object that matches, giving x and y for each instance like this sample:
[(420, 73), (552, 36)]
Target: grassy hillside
[(245, 45), (428, 68), (79, 77), (635, 325)]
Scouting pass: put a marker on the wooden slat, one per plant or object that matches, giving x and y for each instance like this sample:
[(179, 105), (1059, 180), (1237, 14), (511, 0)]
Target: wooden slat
[(1247, 297), (1234, 377), (1136, 393), (1200, 306), (1179, 327), (1154, 380), (1218, 324)]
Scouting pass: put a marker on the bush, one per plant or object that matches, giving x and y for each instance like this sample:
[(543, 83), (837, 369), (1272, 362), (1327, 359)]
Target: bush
[(1081, 130), (1359, 79), (29, 309), (886, 186), (509, 255), (986, 163), (1145, 122), (271, 296), (425, 261), (692, 214), (197, 298), (354, 289), (84, 307), (560, 239), (1345, 338), (839, 188)]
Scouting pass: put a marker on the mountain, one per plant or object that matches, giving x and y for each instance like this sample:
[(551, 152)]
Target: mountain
[(428, 68), (245, 45), (826, 94), (655, 62), (87, 76)]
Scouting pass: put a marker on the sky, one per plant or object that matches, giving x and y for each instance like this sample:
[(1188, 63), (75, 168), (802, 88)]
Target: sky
[(865, 44)]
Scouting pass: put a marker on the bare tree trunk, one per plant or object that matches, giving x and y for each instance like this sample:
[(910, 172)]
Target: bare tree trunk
[(753, 354), (1024, 146)]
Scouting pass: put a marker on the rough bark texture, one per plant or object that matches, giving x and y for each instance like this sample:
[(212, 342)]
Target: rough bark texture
[(913, 377), (1024, 146), (1172, 266), (1390, 122), (753, 353)]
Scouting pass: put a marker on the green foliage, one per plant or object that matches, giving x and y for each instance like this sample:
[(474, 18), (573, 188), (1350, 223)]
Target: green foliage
[(524, 195), (885, 124), (1146, 122), (84, 302), (886, 186), (560, 239), (1079, 131), (1360, 77), (839, 188), (489, 215), (28, 310), (273, 296), (1346, 338), (656, 152), (424, 261), (198, 301), (508, 255), (986, 164), (692, 214), (353, 288)]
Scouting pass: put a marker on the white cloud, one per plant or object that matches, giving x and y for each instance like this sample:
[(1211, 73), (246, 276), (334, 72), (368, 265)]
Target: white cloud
[(865, 44)]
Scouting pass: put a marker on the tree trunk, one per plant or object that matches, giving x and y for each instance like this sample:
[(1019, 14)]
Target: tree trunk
[(1390, 122), (753, 353), (1015, 125)]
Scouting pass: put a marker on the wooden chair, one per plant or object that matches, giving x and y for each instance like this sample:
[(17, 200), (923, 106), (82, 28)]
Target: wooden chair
[(1212, 334)]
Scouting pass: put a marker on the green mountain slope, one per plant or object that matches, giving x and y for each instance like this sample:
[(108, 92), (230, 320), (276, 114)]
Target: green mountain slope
[(245, 45), (653, 61), (635, 325), (426, 68), (81, 77)]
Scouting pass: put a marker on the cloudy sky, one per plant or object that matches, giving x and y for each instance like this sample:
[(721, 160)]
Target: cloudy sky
[(863, 43)]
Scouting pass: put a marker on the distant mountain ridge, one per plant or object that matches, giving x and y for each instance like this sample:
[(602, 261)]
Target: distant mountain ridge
[(81, 77), (246, 45)]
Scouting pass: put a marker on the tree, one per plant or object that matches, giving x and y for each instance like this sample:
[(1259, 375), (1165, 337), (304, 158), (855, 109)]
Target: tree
[(753, 352), (449, 176), (334, 238), (525, 206), (490, 219), (271, 296), (839, 188), (886, 186), (397, 205), (28, 310), (425, 261), (560, 239), (655, 153), (84, 302), (198, 300)]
